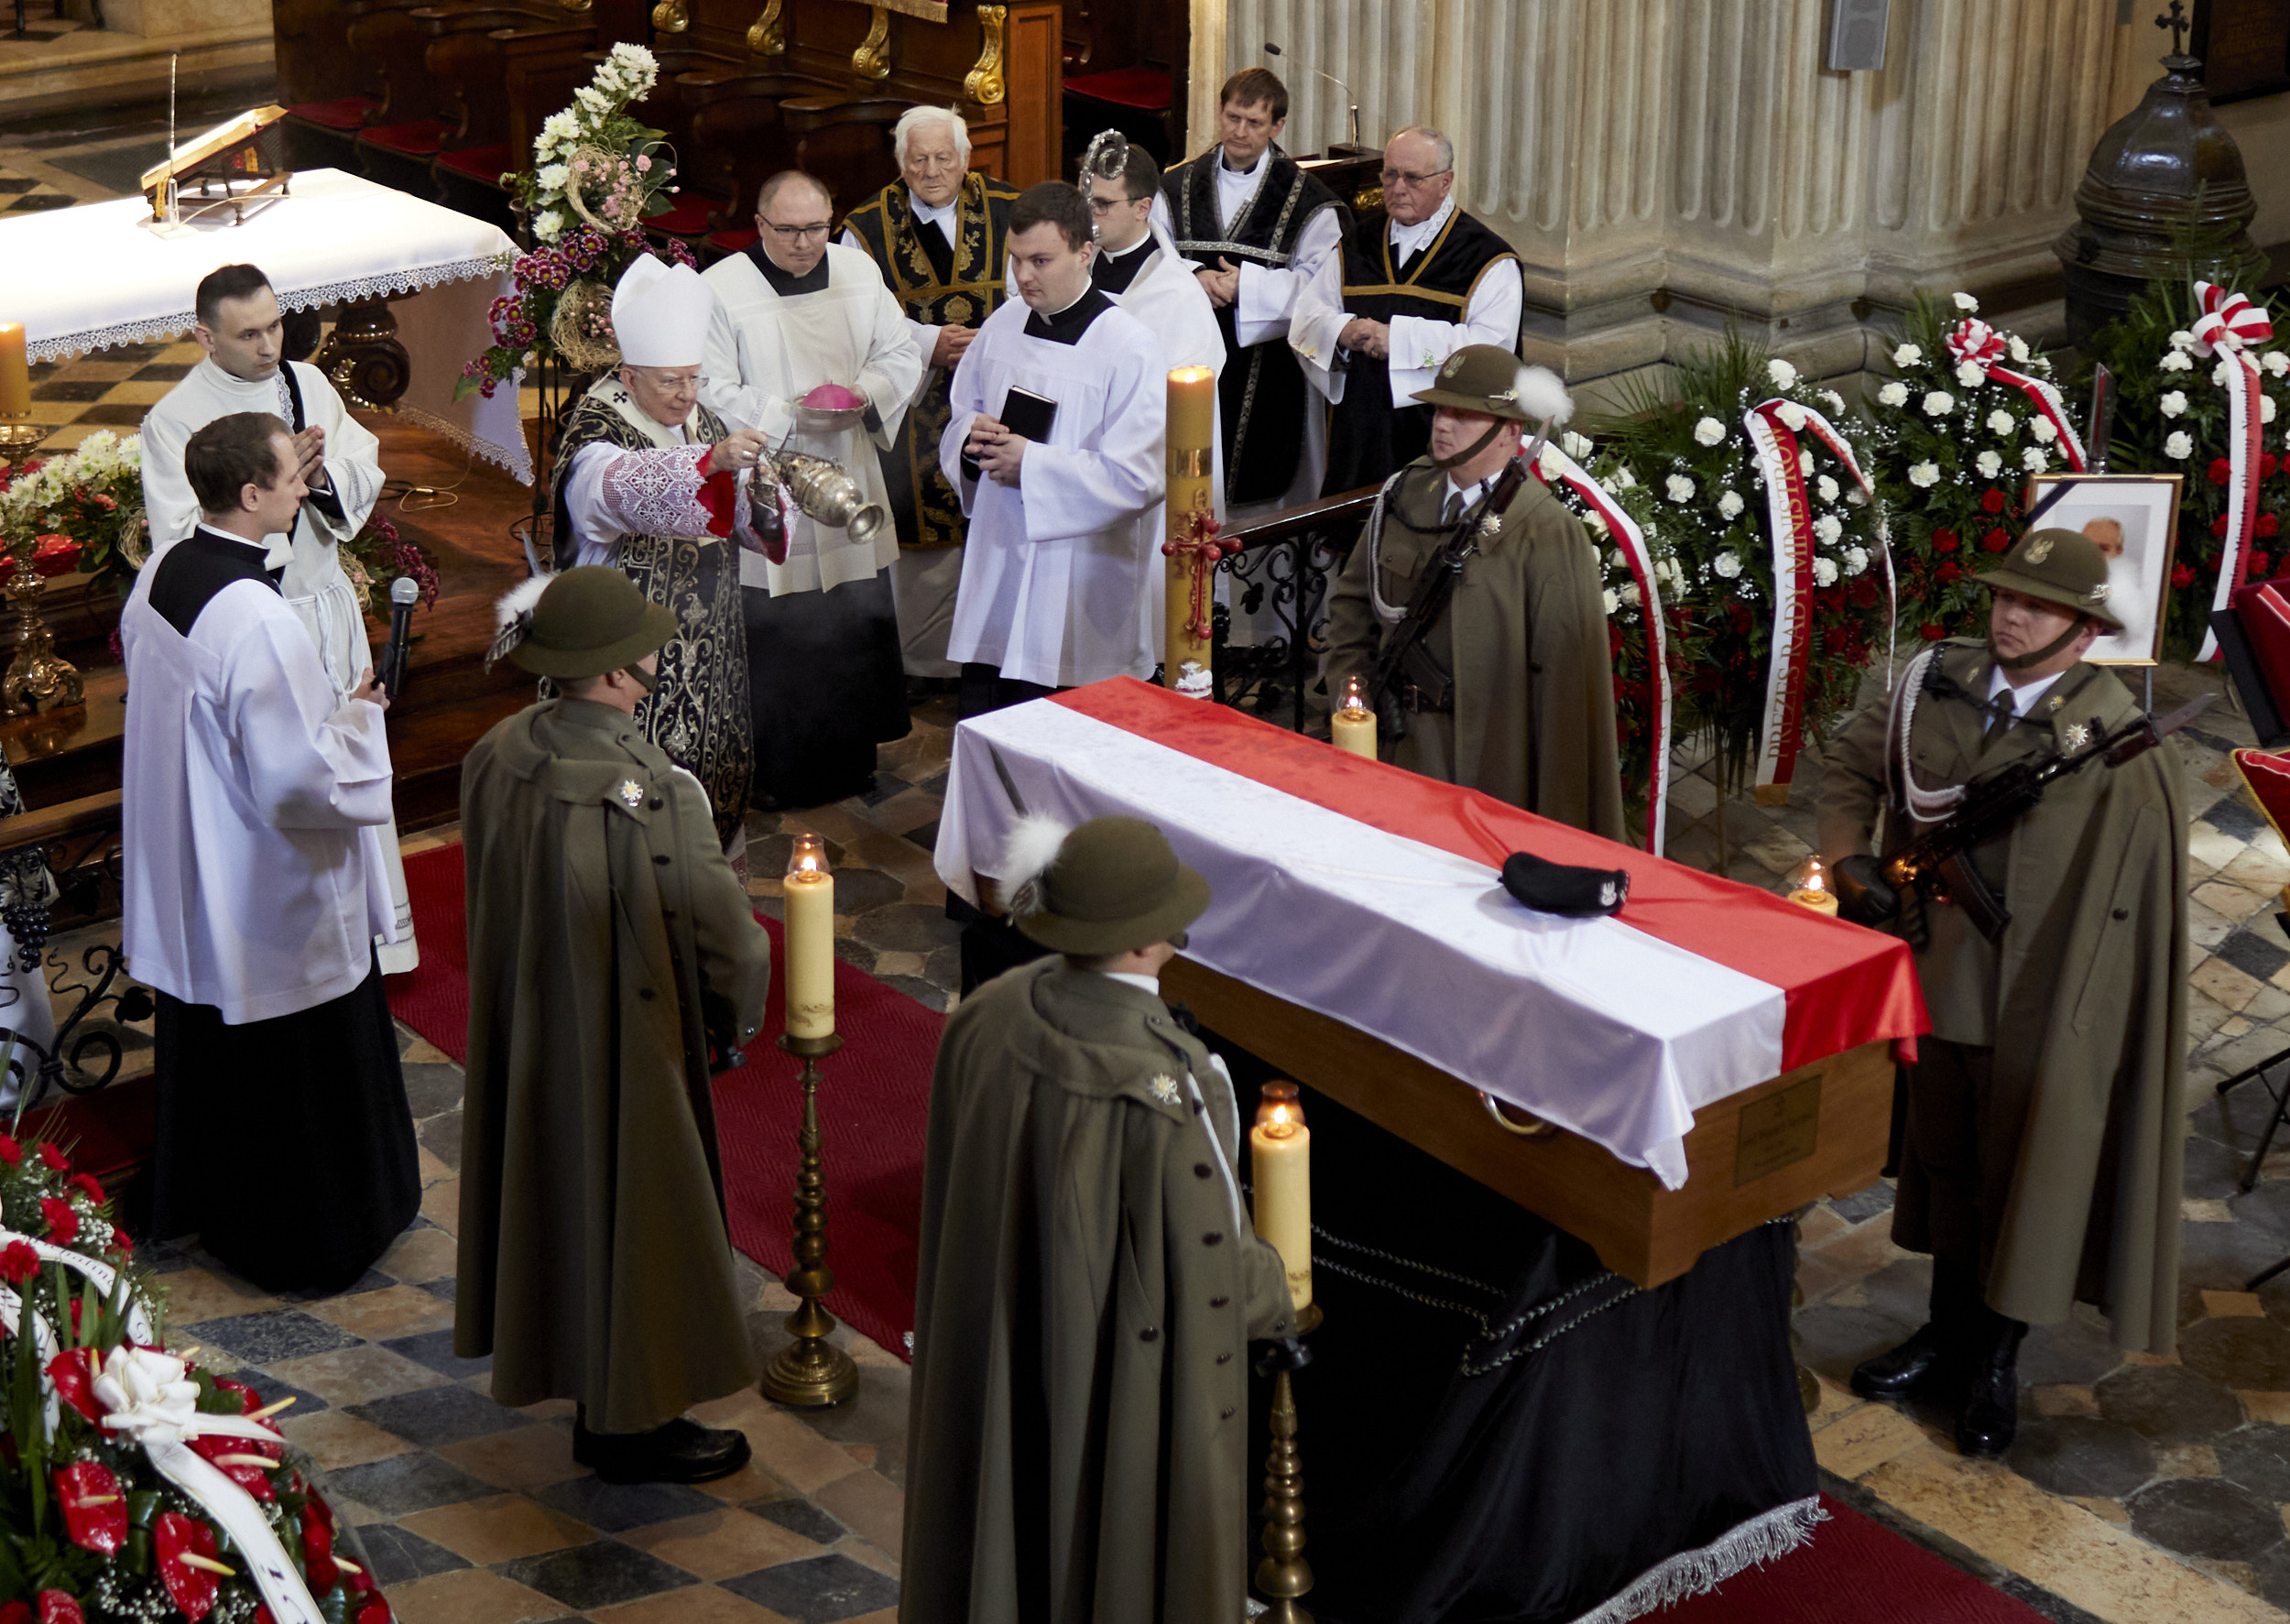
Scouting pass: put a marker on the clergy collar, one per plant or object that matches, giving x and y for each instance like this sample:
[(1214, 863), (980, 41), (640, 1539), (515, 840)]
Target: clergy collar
[(941, 215), (208, 533), (1413, 239), (786, 283), (220, 376), (1224, 163), (271, 554), (1068, 325), (1114, 271)]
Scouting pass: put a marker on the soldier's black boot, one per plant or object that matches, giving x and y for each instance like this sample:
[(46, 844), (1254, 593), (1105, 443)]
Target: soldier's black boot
[(1916, 1365), (1991, 1415), (681, 1451)]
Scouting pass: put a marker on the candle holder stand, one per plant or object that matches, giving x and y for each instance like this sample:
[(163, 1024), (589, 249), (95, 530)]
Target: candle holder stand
[(16, 437), (812, 1373), (1284, 1575)]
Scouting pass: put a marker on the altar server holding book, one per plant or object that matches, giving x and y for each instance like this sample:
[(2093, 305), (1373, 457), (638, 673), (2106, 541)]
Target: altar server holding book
[(242, 330), (255, 803), (1055, 449)]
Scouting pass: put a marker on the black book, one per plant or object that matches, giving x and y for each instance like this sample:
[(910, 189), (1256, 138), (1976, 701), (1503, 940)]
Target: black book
[(1028, 415)]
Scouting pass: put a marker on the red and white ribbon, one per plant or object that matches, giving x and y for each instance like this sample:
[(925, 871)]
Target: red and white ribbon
[(1974, 340), (1631, 540), (2228, 324), (1773, 429)]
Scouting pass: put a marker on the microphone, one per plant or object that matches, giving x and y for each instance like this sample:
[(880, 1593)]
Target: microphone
[(1272, 50), (403, 594)]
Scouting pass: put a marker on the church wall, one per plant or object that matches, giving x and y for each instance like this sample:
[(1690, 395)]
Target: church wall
[(1666, 166)]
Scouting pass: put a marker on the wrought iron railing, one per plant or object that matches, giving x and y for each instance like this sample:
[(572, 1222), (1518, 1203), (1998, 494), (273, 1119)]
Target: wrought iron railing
[(1276, 589)]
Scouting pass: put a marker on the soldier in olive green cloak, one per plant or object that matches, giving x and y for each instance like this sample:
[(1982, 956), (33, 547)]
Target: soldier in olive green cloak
[(1077, 1445), (609, 944), (1529, 715), (2044, 1148)]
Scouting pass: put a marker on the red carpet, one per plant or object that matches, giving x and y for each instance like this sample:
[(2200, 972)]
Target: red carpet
[(1853, 1569), (873, 1099)]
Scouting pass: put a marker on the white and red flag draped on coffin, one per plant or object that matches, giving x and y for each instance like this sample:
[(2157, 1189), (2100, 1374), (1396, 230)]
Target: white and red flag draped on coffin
[(1373, 895)]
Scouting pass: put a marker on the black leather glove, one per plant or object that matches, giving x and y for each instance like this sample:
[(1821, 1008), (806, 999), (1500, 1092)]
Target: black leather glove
[(1286, 1352), (1863, 895)]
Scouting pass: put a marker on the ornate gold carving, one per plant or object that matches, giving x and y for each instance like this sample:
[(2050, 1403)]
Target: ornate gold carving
[(872, 58), (671, 17), (984, 82), (767, 36)]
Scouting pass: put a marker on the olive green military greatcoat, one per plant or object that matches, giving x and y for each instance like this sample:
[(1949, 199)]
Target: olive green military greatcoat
[(594, 1263), (2088, 991), (1088, 1282), (1525, 637)]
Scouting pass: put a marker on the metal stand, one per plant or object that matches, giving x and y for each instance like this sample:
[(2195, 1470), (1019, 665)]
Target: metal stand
[(16, 436), (1284, 1574), (812, 1374)]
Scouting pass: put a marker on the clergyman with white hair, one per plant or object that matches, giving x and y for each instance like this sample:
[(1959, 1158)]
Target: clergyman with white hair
[(1418, 280), (940, 233), (1513, 692), (632, 486)]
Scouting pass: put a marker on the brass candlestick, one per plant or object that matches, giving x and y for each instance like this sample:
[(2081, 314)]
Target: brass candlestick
[(813, 1373), (16, 437), (1284, 1574), (36, 681)]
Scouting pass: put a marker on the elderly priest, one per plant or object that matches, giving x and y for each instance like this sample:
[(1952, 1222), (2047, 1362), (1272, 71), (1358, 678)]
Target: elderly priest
[(242, 330), (255, 799), (1418, 280), (795, 316), (635, 455), (940, 233)]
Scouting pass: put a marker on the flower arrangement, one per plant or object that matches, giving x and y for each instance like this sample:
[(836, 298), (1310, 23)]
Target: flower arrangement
[(596, 173), (1955, 432), (2173, 416), (1690, 449), (91, 498), (124, 1468), (1636, 702), (380, 552)]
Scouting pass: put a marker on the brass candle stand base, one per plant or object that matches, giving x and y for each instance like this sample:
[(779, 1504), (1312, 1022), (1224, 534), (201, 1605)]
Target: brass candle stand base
[(16, 436), (36, 680), (1284, 1575), (812, 1374)]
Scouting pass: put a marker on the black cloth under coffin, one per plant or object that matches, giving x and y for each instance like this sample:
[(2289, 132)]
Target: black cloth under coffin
[(286, 1145), (1495, 1429), (827, 684)]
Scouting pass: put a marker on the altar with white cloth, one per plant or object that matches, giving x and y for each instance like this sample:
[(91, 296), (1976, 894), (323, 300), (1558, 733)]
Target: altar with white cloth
[(83, 279), (1702, 1064)]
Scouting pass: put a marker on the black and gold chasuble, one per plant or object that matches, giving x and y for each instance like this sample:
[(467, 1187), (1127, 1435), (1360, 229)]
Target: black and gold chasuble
[(698, 714), (1261, 394), (1370, 437), (946, 285)]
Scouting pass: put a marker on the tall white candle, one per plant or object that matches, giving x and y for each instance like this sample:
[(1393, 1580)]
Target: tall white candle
[(1280, 1147), (808, 895), (1352, 725)]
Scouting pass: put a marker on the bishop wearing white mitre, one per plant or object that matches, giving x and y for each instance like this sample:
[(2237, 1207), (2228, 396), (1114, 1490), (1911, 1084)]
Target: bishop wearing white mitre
[(242, 330)]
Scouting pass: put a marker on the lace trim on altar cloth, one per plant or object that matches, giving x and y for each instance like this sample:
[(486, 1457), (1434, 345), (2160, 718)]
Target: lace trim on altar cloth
[(412, 279), (1763, 1539), (515, 459)]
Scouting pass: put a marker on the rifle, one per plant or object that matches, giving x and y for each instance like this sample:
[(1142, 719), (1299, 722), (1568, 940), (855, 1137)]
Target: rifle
[(1934, 864), (1404, 660)]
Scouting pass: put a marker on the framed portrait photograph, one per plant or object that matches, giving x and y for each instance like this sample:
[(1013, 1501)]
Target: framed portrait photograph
[(2133, 519)]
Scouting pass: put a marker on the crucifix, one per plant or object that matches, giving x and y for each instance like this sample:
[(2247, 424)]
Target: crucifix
[(2175, 20)]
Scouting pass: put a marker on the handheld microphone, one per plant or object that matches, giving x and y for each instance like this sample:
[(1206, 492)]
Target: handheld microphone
[(1272, 50), (403, 594)]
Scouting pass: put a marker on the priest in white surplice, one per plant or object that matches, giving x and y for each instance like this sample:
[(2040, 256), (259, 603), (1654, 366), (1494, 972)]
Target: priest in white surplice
[(794, 313), (1062, 539), (637, 489), (240, 328), (1139, 266), (254, 800)]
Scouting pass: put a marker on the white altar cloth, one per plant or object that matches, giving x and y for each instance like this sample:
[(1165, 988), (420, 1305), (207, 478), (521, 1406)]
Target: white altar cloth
[(1605, 1029), (84, 278)]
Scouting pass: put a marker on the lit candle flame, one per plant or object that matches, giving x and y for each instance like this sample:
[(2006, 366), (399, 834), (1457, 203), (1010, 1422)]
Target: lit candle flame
[(809, 859), (1814, 880), (1355, 700)]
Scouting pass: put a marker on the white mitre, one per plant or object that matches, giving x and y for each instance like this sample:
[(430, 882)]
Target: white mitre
[(659, 313)]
